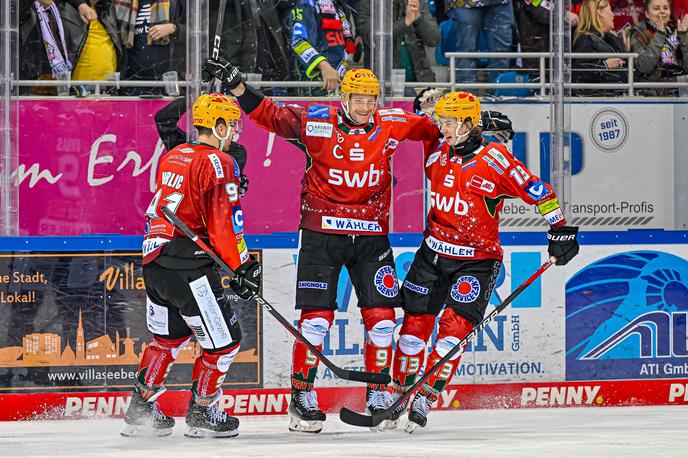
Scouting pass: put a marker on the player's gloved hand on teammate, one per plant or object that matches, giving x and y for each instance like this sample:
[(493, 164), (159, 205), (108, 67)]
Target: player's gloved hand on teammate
[(246, 282), (243, 185), (426, 99), (497, 125), (220, 68), (562, 243)]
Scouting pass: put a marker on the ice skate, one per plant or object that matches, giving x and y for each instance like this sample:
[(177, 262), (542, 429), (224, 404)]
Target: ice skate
[(304, 414), (418, 414), (144, 419), (209, 420), (378, 401)]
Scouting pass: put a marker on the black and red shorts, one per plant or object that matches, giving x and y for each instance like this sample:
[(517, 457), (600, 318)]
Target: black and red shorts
[(433, 281), (367, 258)]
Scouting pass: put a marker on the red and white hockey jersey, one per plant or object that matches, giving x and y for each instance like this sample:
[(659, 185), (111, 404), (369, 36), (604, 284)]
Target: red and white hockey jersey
[(467, 193), (347, 184), (201, 185)]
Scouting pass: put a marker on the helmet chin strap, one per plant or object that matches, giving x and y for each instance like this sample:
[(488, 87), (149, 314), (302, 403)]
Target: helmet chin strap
[(460, 138), (224, 139)]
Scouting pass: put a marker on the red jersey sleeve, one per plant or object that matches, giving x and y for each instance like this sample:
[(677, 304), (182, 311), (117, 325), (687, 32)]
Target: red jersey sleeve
[(284, 120), (513, 179), (219, 205), (420, 128)]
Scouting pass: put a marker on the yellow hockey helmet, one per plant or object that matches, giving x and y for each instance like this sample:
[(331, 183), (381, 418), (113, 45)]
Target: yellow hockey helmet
[(208, 108), (360, 81), (460, 105)]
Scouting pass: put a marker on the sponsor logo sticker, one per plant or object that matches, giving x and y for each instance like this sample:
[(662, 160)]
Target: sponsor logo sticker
[(318, 129), (217, 165), (466, 289), (413, 287), (312, 285), (432, 158), (350, 224), (503, 161), (386, 281)]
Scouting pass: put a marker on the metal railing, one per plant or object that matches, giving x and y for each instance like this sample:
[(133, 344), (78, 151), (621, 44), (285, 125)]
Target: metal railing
[(630, 85), (98, 85), (541, 86)]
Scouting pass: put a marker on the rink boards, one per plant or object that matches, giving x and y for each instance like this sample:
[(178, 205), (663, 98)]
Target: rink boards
[(608, 329)]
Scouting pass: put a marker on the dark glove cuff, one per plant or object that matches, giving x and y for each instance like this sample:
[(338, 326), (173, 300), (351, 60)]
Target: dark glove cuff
[(250, 99)]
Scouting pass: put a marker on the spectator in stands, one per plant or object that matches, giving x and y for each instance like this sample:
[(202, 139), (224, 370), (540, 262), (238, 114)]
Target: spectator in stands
[(495, 18), (44, 52), (413, 30), (321, 38), (148, 30), (94, 46), (595, 34), (662, 45), (253, 38), (533, 29)]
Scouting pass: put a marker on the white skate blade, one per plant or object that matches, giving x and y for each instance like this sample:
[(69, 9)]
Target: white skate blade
[(384, 425), (146, 430), (411, 426), (302, 426), (202, 433)]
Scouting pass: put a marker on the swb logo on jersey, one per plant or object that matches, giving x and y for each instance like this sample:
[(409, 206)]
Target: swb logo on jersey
[(386, 281), (466, 289)]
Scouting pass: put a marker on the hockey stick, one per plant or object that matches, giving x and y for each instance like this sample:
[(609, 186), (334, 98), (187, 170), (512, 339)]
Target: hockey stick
[(369, 421), (218, 28), (346, 374)]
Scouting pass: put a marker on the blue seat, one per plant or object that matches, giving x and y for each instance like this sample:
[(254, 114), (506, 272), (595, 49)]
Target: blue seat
[(512, 77)]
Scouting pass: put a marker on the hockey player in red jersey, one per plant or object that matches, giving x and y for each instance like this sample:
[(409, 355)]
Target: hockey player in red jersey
[(185, 298), (460, 258), (344, 218)]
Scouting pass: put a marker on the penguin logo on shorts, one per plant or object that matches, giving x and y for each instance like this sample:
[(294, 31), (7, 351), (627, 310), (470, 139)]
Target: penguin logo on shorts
[(386, 281), (466, 289)]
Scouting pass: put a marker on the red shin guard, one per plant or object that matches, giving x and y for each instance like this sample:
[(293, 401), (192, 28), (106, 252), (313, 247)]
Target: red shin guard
[(314, 325), (379, 323), (453, 328), (156, 363), (209, 372), (410, 353)]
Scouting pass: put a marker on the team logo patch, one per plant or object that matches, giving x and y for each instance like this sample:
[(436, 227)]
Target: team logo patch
[(386, 281), (466, 289)]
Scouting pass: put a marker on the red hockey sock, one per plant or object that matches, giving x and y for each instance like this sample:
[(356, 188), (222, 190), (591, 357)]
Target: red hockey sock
[(314, 325), (379, 323), (453, 328), (410, 353), (209, 372), (156, 363)]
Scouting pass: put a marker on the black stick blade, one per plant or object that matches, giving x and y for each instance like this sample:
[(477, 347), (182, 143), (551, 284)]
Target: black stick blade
[(365, 377), (356, 419)]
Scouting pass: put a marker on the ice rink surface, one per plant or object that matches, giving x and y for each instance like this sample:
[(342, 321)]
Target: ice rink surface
[(582, 432)]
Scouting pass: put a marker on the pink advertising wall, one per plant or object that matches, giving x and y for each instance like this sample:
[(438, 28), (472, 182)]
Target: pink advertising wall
[(89, 166)]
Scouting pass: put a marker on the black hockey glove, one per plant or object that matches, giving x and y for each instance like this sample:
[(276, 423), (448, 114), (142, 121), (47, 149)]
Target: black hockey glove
[(243, 185), (498, 125), (220, 68), (562, 243), (246, 281)]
